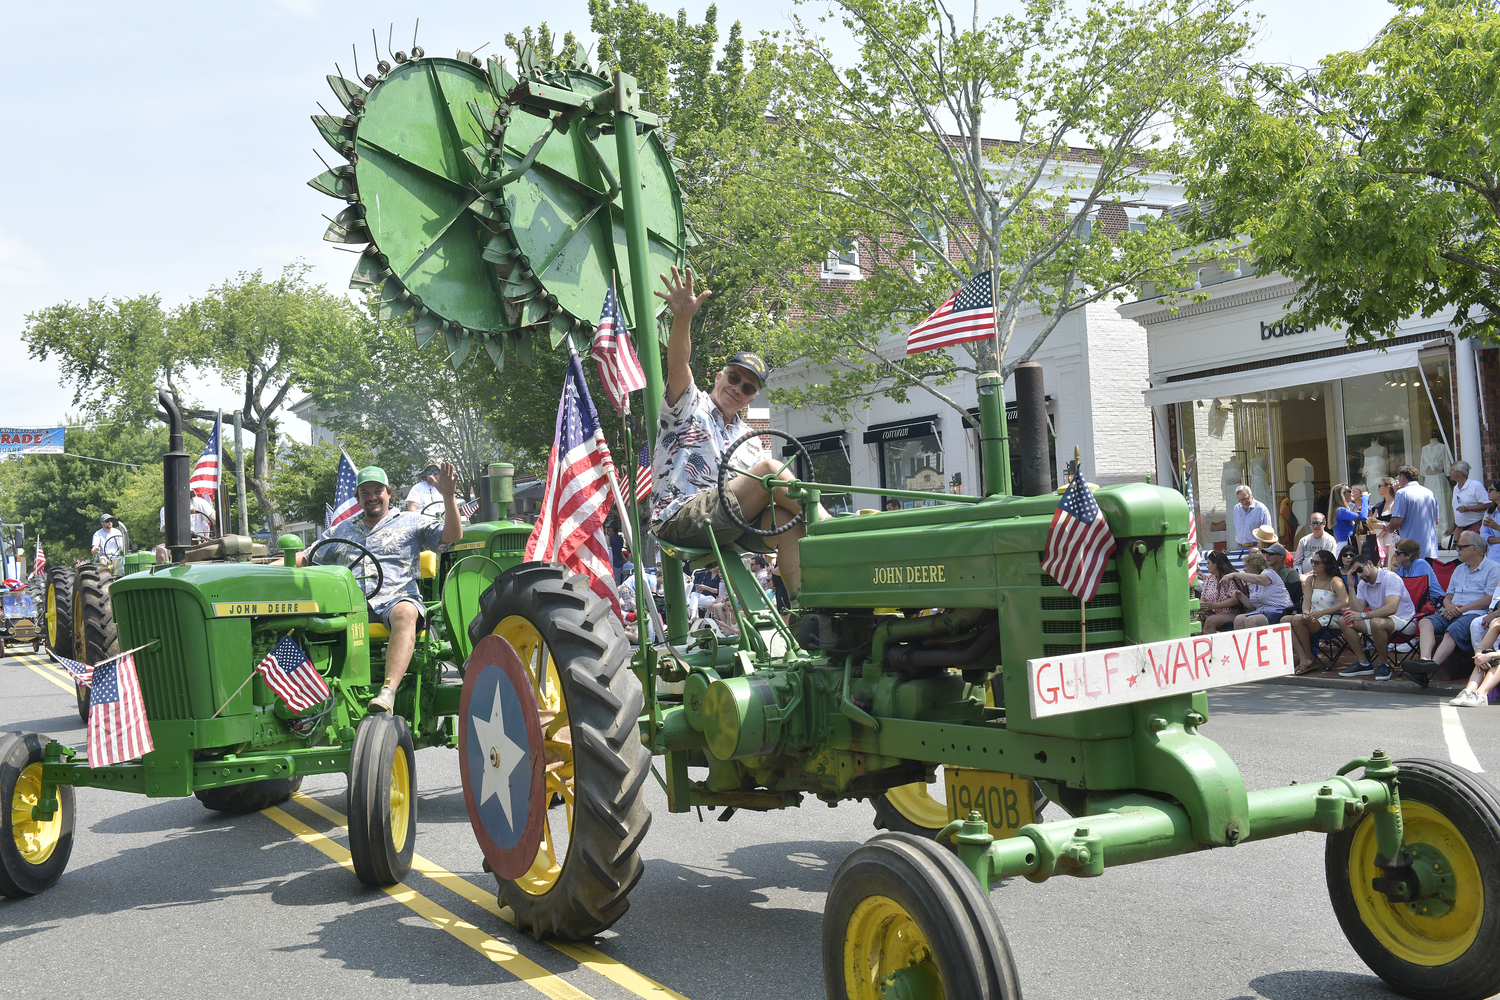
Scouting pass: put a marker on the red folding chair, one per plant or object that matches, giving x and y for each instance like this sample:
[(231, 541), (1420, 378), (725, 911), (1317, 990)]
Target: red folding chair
[(1405, 645)]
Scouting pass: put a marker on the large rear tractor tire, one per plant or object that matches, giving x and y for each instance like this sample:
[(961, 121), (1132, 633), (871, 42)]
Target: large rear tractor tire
[(250, 797), (905, 918), (382, 800), (1433, 949), (58, 616), (33, 852), (95, 636), (578, 661)]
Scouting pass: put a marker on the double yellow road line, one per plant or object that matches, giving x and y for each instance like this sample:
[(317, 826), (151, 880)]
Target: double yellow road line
[(502, 954)]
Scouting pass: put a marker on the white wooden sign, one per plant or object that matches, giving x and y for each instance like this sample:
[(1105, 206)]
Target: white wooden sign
[(1126, 674)]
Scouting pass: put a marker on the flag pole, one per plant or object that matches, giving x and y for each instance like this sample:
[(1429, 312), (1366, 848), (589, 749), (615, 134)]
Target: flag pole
[(1083, 606)]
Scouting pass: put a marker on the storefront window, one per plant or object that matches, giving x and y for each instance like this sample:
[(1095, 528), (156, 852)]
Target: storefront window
[(1389, 422), (913, 464), (830, 464)]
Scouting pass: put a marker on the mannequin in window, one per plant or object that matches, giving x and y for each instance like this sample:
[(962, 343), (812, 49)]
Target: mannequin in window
[(1260, 479), (1374, 470), (1434, 467), (1234, 474)]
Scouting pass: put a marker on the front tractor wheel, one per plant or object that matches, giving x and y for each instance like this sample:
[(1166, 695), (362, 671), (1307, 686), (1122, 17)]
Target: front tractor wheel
[(905, 918), (382, 800), (1441, 948), (33, 852), (577, 662), (250, 797)]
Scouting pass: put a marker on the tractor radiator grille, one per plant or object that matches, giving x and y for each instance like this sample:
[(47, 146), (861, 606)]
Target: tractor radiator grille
[(145, 615), (512, 541), (1104, 617)]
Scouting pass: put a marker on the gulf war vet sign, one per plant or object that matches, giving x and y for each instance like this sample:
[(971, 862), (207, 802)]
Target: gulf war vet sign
[(1125, 674)]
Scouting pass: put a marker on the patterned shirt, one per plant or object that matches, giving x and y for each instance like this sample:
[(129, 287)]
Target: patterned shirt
[(397, 540), (690, 443)]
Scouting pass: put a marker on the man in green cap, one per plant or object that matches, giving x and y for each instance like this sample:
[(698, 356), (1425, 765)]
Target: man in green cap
[(396, 538), (695, 429)]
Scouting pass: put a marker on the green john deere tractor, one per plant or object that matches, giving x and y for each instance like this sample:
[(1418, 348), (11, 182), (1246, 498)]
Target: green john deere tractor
[(197, 628), (493, 206)]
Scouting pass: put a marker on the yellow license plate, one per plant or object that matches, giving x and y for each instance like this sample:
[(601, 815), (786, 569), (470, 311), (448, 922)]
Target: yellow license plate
[(1003, 799)]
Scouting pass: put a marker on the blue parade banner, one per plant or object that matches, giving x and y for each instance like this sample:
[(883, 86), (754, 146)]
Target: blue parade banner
[(32, 440)]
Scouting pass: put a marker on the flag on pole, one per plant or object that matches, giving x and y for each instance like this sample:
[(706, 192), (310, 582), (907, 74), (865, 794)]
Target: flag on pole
[(118, 730), (292, 675), (1194, 556), (82, 672), (967, 314), (40, 562), (205, 478), (1079, 543), (619, 371), (345, 498), (468, 507), (570, 526), (643, 476)]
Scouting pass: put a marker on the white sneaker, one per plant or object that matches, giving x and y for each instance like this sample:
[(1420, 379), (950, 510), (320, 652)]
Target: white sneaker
[(384, 701)]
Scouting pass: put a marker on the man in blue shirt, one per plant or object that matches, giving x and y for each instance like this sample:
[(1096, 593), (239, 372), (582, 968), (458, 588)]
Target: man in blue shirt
[(396, 539), (1469, 593), (1249, 514), (1415, 512)]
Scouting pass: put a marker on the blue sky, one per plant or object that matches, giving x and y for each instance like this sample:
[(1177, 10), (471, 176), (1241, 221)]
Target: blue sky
[(161, 147)]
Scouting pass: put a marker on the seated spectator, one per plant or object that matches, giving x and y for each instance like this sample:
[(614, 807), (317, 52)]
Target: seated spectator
[(1277, 560), (1380, 607), (1266, 598), (1316, 540), (1323, 603), (1407, 561), (1219, 604), (1343, 516), (1483, 680), (1490, 525), (1469, 594), (1347, 555)]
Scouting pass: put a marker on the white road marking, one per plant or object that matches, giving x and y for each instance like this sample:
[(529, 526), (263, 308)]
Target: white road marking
[(1458, 743)]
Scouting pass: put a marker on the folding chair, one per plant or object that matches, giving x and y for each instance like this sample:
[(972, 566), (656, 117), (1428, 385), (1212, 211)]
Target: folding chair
[(1406, 645)]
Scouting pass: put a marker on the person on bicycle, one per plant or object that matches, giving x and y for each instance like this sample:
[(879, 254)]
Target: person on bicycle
[(396, 538), (694, 431)]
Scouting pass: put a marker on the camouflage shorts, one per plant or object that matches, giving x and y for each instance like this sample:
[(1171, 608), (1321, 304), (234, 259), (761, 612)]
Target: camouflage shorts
[(692, 523)]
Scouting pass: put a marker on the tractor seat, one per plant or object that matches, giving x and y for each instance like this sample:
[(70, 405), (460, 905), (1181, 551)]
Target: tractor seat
[(698, 558), (429, 564)]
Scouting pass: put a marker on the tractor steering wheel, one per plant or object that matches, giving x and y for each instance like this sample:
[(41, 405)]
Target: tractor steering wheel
[(725, 468), (364, 560), (111, 548), (441, 509)]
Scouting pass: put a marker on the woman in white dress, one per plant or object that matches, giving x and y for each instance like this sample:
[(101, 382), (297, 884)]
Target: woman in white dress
[(1323, 598)]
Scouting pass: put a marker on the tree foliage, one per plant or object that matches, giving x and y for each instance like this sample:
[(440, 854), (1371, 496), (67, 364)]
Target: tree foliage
[(307, 477), (1373, 178)]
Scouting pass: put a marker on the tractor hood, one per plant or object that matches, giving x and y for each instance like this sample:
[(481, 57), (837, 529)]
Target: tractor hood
[(240, 589)]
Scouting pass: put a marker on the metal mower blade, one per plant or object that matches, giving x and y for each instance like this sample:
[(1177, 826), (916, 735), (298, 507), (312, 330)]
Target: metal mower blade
[(494, 343), (427, 327), (334, 131), (459, 347), (351, 95), (336, 183), (501, 82)]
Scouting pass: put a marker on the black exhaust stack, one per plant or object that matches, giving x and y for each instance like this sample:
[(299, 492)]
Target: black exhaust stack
[(174, 484), (1031, 431)]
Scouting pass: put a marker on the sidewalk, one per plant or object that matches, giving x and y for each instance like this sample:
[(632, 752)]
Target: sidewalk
[(1399, 685)]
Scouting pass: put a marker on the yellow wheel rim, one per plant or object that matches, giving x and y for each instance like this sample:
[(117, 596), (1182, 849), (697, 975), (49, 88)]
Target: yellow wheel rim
[(1399, 927), (881, 938), (916, 803), (35, 839), (557, 747), (400, 799), (51, 616)]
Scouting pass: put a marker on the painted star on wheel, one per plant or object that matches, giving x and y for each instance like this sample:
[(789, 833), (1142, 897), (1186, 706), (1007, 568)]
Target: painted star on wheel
[(501, 757)]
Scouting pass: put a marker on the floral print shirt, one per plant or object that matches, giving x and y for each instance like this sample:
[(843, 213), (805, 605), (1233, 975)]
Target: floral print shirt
[(690, 443), (397, 540)]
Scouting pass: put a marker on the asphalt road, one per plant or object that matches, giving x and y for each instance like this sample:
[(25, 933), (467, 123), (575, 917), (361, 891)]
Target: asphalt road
[(163, 898)]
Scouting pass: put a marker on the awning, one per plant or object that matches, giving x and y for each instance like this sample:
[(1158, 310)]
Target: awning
[(1368, 362), (822, 444), (902, 430)]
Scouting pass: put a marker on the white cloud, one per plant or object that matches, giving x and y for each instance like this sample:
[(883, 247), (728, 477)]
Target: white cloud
[(20, 265)]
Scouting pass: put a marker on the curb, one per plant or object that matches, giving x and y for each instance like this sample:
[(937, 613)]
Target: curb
[(1447, 690)]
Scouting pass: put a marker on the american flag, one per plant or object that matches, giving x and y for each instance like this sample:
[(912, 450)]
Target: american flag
[(345, 499), (643, 475), (1194, 556), (619, 372), (40, 562), (328, 515), (82, 672), (468, 507), (1078, 542), (205, 478), (968, 314), (571, 521), (292, 675), (118, 730)]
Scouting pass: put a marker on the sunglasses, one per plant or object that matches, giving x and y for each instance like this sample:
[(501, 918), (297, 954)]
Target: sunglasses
[(431, 470), (746, 387)]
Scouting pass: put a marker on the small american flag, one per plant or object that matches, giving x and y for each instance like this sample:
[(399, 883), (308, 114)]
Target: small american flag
[(1078, 542), (292, 675), (570, 527), (643, 475), (118, 730), (82, 672), (1194, 556), (619, 371), (40, 562), (968, 314), (345, 500), (205, 478), (468, 507)]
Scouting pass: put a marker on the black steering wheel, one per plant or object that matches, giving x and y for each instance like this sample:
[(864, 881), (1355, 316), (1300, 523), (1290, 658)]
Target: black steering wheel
[(441, 509), (725, 468), (367, 559), (112, 547)]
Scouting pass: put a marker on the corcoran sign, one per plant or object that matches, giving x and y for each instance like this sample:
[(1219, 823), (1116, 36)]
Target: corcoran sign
[(32, 440), (1270, 330), (925, 427), (1063, 684)]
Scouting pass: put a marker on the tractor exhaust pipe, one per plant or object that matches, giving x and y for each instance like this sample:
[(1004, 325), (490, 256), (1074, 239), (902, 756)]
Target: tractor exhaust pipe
[(174, 485), (1031, 432)]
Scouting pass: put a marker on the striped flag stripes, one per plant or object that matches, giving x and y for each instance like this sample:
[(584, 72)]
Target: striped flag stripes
[(118, 730)]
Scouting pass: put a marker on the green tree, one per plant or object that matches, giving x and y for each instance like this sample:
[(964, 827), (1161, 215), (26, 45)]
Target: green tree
[(897, 154), (1373, 178), (253, 333), (306, 478)]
